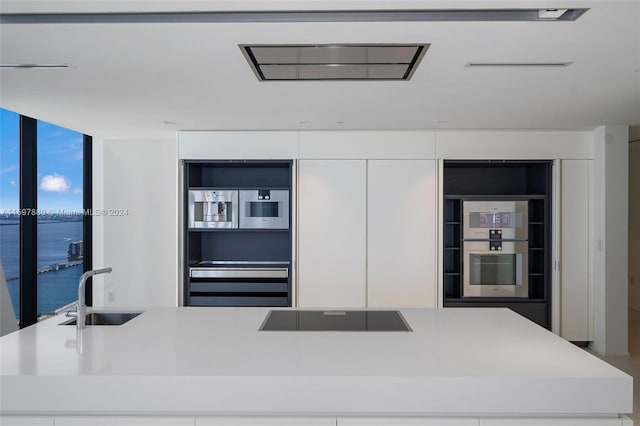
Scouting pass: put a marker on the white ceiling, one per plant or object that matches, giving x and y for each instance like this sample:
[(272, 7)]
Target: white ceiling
[(127, 80)]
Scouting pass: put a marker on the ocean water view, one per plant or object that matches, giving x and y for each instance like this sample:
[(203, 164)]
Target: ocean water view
[(56, 288)]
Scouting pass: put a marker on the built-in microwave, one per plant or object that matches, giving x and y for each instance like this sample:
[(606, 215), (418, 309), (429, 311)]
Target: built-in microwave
[(213, 208), (483, 220), (264, 208)]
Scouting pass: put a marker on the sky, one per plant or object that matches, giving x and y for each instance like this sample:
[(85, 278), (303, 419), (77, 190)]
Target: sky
[(59, 165)]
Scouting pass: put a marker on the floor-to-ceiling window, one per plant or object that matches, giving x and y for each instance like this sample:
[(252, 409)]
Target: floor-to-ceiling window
[(10, 203), (60, 240), (42, 208)]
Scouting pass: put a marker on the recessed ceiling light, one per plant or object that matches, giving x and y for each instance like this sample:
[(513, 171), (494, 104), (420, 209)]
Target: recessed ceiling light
[(552, 14), (519, 64), (32, 66), (169, 123), (334, 61), (305, 123)]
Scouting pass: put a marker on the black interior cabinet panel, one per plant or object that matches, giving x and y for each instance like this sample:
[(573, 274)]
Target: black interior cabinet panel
[(258, 245), (485, 180), (240, 174), (537, 179), (496, 177)]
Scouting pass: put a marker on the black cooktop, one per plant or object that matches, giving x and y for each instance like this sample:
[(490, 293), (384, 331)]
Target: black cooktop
[(334, 320)]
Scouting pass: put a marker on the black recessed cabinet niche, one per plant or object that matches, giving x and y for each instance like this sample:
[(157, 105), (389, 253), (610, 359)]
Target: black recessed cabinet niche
[(241, 263), (500, 181)]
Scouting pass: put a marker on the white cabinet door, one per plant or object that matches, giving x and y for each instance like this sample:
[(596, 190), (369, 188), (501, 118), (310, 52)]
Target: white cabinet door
[(550, 422), (399, 421), (124, 421), (25, 421), (574, 250), (265, 421), (401, 233), (332, 233)]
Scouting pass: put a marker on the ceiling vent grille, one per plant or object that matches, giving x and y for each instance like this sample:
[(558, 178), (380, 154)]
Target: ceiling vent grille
[(519, 64), (334, 61)]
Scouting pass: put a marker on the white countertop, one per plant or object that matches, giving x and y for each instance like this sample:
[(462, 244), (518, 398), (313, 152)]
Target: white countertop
[(215, 361)]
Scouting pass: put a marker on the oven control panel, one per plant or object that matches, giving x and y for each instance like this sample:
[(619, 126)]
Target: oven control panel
[(495, 239)]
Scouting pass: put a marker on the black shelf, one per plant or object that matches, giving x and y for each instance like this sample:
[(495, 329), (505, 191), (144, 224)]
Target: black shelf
[(239, 188), (238, 230), (497, 197), (500, 299)]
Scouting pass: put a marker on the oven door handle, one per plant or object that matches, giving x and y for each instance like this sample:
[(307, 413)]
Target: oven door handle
[(519, 269)]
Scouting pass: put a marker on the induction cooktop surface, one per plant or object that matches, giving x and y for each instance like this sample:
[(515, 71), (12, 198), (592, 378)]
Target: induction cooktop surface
[(334, 320)]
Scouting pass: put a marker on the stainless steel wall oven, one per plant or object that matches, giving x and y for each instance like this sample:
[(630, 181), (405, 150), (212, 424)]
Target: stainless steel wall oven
[(495, 249)]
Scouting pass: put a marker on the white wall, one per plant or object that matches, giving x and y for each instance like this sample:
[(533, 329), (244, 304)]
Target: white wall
[(610, 219), (634, 224), (140, 177)]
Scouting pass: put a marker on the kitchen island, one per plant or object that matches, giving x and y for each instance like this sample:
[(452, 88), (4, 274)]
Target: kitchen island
[(212, 366)]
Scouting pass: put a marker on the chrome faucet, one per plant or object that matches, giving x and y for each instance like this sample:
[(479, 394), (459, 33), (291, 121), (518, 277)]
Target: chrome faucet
[(82, 305)]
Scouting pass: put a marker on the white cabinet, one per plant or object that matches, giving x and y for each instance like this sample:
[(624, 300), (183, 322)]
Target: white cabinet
[(575, 256), (367, 233), (124, 421), (26, 421), (398, 421), (266, 421), (551, 422), (332, 233), (401, 233)]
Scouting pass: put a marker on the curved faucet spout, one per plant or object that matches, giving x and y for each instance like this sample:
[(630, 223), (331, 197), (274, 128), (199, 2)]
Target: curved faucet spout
[(82, 305)]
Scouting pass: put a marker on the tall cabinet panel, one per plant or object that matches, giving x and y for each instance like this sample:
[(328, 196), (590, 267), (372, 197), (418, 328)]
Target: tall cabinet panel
[(401, 233), (332, 233), (575, 251)]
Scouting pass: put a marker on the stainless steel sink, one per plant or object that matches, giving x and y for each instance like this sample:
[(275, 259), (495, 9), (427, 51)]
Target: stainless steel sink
[(105, 318)]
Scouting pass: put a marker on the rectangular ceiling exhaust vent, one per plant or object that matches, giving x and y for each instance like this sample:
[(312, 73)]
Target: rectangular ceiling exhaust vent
[(334, 61)]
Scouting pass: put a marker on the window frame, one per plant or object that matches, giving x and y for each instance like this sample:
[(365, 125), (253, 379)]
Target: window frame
[(28, 232)]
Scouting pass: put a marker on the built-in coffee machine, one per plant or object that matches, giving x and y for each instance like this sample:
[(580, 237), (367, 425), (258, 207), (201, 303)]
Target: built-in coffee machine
[(213, 209)]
